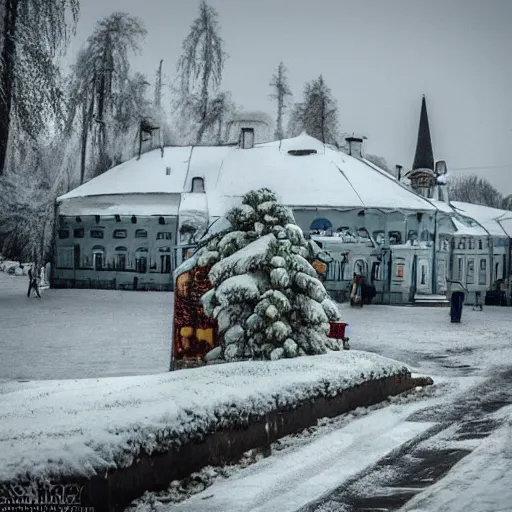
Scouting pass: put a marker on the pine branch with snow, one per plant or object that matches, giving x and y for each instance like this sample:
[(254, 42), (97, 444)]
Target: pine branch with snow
[(266, 297)]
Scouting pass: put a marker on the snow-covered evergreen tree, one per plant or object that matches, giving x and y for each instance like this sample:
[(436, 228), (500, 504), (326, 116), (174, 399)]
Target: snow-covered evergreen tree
[(266, 297)]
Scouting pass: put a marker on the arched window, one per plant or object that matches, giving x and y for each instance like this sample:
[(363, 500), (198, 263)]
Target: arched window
[(395, 238), (98, 257), (363, 233), (198, 185), (379, 237), (321, 224), (412, 235), (360, 267), (141, 233), (165, 260), (141, 260), (120, 257)]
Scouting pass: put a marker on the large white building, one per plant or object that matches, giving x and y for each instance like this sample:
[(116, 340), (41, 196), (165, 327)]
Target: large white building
[(130, 227)]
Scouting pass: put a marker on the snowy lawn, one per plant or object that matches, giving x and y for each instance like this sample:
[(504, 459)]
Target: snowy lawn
[(82, 333), (90, 425)]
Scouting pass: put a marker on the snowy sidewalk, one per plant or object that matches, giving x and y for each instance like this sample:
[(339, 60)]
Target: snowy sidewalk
[(286, 483)]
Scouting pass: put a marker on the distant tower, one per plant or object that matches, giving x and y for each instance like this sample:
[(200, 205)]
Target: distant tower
[(422, 175)]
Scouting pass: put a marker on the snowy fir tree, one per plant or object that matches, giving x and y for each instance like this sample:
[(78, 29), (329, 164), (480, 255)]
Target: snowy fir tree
[(266, 297)]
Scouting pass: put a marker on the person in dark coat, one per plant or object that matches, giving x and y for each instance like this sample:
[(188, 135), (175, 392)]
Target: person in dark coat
[(32, 282)]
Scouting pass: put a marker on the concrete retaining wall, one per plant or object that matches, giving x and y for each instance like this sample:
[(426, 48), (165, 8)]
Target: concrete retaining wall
[(114, 491)]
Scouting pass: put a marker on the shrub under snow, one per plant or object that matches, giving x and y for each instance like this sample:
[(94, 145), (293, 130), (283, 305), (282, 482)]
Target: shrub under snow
[(267, 298)]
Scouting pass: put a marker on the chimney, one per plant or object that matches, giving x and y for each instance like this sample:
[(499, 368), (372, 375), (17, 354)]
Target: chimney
[(355, 146), (247, 138), (398, 172)]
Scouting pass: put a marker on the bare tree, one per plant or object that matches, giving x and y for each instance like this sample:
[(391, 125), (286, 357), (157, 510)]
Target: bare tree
[(380, 162), (33, 32), (472, 189), (28, 195), (101, 82), (317, 115), (507, 202), (281, 91), (200, 67)]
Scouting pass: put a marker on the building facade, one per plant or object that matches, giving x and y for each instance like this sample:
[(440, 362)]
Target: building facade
[(132, 226)]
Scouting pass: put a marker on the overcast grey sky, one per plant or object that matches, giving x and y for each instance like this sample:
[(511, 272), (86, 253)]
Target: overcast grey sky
[(377, 56)]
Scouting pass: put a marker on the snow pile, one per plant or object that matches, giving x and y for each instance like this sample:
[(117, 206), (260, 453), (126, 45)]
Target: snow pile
[(266, 296), (85, 427)]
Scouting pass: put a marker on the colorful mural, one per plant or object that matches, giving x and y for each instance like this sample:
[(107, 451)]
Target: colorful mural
[(194, 333)]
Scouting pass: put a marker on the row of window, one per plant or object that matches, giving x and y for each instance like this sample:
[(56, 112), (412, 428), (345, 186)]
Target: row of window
[(394, 236), (470, 271), (71, 258), (118, 233), (470, 243)]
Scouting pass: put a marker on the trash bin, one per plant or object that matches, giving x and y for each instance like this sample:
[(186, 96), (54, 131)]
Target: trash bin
[(456, 303)]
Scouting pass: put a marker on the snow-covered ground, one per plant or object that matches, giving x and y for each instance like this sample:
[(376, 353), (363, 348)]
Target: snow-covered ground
[(425, 339), (90, 425), (82, 333), (86, 333)]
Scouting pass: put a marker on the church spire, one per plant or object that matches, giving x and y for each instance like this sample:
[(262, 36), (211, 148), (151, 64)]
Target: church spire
[(424, 157)]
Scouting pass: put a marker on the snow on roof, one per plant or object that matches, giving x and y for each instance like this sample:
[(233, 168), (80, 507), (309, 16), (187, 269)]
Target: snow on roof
[(442, 206), (328, 178), (148, 175), (506, 224), (121, 204), (484, 215), (462, 227)]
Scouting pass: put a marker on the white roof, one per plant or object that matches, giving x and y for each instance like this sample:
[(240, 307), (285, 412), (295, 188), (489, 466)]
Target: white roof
[(484, 215), (329, 178), (464, 229), (148, 175), (506, 224), (122, 204), (442, 206)]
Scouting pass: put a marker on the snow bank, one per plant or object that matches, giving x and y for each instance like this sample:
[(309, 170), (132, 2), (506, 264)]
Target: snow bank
[(84, 427)]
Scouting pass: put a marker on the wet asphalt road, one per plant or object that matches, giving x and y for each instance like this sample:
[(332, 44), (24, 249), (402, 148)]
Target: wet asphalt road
[(394, 480)]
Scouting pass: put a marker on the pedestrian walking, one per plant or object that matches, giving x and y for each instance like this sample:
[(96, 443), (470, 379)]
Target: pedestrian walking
[(32, 284)]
